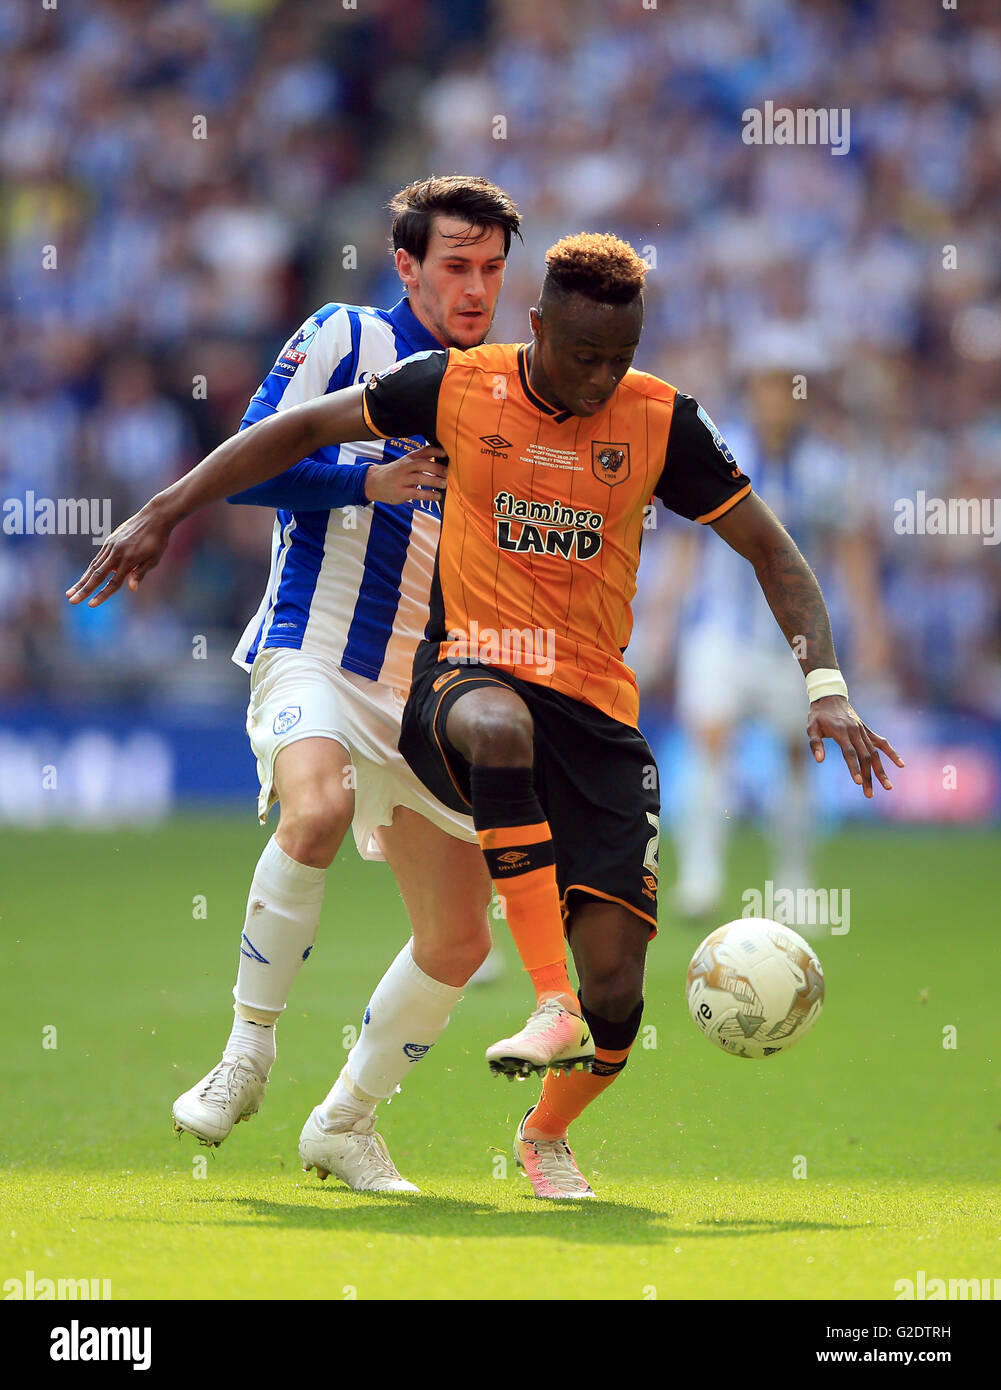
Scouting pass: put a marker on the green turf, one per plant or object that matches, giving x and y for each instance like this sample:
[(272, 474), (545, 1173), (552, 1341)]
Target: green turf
[(693, 1152)]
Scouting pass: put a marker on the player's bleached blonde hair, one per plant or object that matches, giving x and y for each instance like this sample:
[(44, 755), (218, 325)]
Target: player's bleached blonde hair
[(597, 265)]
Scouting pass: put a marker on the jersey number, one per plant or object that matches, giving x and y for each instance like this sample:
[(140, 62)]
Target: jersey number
[(650, 861)]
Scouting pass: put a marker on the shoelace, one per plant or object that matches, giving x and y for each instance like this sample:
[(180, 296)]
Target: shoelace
[(556, 1163), (543, 1019), (374, 1151), (218, 1088)]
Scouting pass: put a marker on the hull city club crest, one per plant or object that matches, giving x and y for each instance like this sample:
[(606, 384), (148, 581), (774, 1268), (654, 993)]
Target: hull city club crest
[(610, 462)]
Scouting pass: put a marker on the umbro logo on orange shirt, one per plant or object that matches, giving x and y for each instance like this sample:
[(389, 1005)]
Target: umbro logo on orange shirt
[(512, 857), (496, 443)]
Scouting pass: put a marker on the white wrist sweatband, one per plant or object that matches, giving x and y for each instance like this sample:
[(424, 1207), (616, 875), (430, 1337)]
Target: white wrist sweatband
[(825, 680)]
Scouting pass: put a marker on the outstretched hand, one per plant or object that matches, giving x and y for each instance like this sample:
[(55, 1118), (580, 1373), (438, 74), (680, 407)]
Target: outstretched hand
[(833, 717), (130, 552)]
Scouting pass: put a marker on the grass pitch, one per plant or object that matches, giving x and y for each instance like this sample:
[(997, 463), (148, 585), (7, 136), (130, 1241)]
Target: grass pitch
[(868, 1153)]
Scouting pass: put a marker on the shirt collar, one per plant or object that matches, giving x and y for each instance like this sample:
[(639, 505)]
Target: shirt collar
[(524, 366), (411, 330)]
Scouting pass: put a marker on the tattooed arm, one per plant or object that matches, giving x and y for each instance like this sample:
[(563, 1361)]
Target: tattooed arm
[(794, 596), (787, 581)]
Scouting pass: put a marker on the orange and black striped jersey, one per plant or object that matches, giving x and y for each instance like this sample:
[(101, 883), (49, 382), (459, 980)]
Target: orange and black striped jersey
[(544, 511)]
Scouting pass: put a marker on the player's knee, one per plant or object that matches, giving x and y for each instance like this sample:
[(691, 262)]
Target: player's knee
[(462, 959), (310, 831), (613, 993), (453, 953), (496, 737)]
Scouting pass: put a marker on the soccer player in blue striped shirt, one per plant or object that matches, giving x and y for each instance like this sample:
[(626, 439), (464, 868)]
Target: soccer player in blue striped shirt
[(330, 651)]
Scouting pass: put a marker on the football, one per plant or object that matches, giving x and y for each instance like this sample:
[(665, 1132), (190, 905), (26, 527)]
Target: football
[(755, 987)]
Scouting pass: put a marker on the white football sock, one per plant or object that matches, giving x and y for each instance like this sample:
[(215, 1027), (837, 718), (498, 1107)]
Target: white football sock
[(283, 913), (255, 1041), (405, 1017), (344, 1105)]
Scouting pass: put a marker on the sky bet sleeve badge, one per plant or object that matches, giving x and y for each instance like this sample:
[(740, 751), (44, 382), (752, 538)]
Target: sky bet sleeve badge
[(297, 345)]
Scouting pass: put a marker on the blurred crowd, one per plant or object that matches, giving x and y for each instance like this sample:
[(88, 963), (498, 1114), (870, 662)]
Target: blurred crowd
[(183, 182)]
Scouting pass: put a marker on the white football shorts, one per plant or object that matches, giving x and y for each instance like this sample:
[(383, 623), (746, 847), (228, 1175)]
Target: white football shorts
[(294, 696), (723, 678)]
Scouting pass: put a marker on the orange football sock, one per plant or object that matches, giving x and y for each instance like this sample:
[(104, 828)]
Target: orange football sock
[(520, 859), (566, 1096)]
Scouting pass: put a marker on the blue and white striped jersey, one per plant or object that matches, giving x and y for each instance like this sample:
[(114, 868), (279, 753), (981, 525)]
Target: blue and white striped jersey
[(349, 584)]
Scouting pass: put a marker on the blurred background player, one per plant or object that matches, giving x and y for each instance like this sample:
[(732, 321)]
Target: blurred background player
[(733, 666)]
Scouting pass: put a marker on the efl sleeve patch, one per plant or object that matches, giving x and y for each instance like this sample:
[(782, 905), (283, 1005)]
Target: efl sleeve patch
[(701, 479), (718, 439)]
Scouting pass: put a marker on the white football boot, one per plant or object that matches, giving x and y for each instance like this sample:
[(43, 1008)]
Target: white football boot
[(232, 1091), (358, 1156)]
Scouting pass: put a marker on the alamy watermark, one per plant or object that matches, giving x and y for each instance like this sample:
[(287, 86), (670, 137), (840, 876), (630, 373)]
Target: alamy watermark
[(31, 515), (41, 1288), (800, 907), (805, 125), (921, 1287), (76, 1343), (534, 647), (922, 515)]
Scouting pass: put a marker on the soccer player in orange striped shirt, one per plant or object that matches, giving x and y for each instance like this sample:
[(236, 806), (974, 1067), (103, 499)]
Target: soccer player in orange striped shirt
[(522, 707)]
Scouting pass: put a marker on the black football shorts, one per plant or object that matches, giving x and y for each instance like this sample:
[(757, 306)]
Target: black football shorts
[(595, 777)]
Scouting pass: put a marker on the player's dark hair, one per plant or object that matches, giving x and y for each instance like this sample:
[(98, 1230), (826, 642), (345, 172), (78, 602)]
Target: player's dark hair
[(595, 264), (476, 201)]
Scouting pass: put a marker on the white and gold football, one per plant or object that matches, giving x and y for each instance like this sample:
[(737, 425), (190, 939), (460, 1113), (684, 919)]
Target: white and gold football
[(755, 987)]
